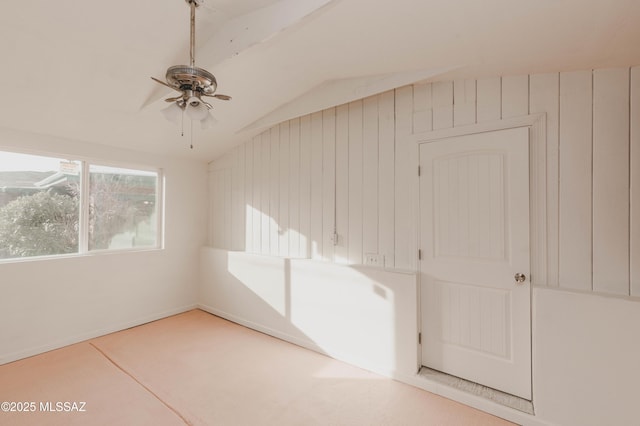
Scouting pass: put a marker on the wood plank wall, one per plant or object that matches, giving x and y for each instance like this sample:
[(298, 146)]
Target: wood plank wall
[(349, 170)]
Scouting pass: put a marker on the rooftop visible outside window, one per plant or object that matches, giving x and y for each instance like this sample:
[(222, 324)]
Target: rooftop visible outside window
[(53, 206), (39, 205)]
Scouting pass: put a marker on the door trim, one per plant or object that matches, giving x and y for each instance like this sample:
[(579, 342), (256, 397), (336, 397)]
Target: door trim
[(517, 361), (538, 237)]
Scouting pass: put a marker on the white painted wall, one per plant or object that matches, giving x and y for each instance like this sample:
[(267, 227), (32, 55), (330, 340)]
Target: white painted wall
[(586, 305), (585, 347), (357, 314), (586, 352), (46, 304)]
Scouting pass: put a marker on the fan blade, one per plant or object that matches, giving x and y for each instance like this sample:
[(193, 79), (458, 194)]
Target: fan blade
[(221, 97), (165, 84), (173, 99)]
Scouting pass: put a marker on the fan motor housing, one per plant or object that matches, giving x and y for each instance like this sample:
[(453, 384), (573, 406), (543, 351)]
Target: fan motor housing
[(186, 77)]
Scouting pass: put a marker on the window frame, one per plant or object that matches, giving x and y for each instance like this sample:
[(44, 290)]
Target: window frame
[(83, 207)]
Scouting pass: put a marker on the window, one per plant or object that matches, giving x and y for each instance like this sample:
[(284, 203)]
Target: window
[(122, 208), (39, 205), (52, 206)]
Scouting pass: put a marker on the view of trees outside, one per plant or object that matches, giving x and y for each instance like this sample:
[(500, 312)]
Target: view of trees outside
[(40, 206), (43, 223), (120, 199)]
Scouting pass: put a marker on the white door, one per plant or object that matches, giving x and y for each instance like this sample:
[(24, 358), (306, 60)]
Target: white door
[(474, 237)]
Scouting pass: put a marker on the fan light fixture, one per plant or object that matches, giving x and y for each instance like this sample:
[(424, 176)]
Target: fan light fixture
[(193, 83)]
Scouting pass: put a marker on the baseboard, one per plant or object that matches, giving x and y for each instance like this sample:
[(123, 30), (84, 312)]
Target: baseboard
[(261, 328), (307, 344), (471, 400), (15, 356)]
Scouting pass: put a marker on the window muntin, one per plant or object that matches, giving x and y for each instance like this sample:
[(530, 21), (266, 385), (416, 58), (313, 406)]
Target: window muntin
[(42, 207)]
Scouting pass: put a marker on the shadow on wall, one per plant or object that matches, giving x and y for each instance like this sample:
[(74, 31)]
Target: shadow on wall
[(360, 315)]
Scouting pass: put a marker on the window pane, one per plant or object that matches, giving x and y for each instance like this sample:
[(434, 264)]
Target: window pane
[(39, 208), (122, 208)]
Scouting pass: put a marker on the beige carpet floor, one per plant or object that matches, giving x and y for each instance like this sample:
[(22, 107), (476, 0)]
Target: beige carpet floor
[(198, 369)]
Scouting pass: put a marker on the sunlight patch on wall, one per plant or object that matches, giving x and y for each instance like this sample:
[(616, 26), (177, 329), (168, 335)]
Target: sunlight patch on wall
[(264, 276), (339, 307)]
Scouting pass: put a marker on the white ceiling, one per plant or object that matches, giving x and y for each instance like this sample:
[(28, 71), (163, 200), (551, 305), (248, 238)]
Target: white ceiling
[(80, 69)]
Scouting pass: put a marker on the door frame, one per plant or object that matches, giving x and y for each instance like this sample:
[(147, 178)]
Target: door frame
[(538, 237)]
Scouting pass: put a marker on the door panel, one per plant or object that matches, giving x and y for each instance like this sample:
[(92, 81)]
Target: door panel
[(474, 219)]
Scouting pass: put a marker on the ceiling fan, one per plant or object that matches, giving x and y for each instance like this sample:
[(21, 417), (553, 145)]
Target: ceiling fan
[(193, 83)]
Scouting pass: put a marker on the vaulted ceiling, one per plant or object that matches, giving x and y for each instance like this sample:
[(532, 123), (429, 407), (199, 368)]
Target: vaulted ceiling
[(80, 69)]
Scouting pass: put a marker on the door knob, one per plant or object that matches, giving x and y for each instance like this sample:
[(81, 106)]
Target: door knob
[(520, 278)]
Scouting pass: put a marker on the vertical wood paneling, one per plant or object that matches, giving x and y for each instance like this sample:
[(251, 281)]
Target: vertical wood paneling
[(538, 202), (213, 207), (370, 176), (328, 182), (489, 99), (543, 98), (248, 196), (464, 102), (283, 243), (221, 207), (635, 181), (257, 194), (355, 182), (228, 208), (386, 178), (265, 211), (316, 186), (294, 188), (442, 99), (342, 184), (515, 96), (238, 201), (305, 186), (611, 181), (422, 108), (218, 208), (274, 193), (234, 197), (575, 180), (406, 172), (210, 205)]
